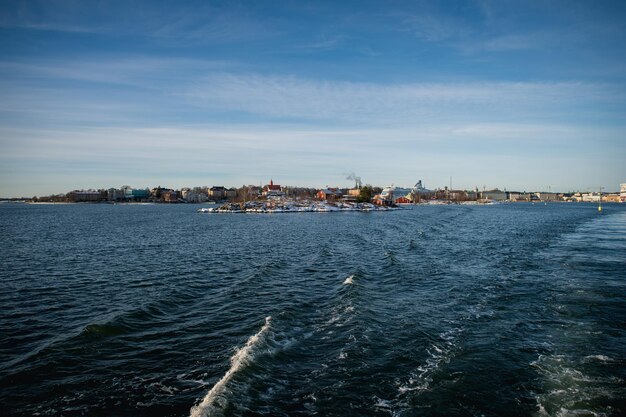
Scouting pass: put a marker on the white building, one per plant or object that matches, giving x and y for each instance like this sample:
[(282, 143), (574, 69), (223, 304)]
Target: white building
[(547, 196), (591, 197), (622, 192)]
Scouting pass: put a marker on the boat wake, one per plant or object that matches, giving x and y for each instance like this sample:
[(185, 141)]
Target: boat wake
[(238, 361), (569, 388), (439, 354)]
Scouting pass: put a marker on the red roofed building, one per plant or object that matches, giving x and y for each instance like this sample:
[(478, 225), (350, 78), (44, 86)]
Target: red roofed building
[(329, 194), (403, 200), (272, 189)]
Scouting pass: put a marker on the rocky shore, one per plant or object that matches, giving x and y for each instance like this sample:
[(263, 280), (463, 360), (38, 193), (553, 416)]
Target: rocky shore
[(290, 206)]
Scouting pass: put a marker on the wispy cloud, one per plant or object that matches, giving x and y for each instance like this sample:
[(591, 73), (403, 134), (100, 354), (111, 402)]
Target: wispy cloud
[(503, 27), (202, 23), (193, 90), (505, 43), (125, 70), (435, 28), (294, 97), (322, 44)]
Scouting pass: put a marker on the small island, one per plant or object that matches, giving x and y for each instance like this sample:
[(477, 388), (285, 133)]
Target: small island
[(293, 206)]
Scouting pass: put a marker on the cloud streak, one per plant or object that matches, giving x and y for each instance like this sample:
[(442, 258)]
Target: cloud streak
[(194, 90), (183, 26), (293, 97)]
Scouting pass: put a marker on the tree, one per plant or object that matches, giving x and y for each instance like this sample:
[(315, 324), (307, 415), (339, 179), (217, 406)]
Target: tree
[(365, 195)]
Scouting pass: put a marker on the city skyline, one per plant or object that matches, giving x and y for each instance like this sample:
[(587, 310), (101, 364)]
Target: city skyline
[(516, 95)]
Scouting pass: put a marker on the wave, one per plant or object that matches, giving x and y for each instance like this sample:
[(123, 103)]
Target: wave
[(601, 358), (439, 354), (569, 388), (349, 280), (238, 361)]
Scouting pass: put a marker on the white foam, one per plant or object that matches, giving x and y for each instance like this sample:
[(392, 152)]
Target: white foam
[(568, 392), (238, 361), (380, 403), (349, 280), (601, 358)]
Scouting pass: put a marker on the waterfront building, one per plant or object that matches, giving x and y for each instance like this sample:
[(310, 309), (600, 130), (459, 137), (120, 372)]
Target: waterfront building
[(273, 190), (170, 196), (329, 194), (403, 200), (611, 198), (591, 197), (622, 192), (517, 196), (458, 195), (113, 194), (127, 193), (578, 197), (217, 192), (541, 196), (86, 196), (139, 194), (495, 195)]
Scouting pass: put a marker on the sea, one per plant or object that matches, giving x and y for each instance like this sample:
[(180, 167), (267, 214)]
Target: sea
[(450, 310)]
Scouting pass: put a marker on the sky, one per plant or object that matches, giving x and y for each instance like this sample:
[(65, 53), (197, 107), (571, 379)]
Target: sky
[(518, 95)]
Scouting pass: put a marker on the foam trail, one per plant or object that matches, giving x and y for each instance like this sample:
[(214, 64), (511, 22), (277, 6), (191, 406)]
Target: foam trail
[(349, 280), (239, 360)]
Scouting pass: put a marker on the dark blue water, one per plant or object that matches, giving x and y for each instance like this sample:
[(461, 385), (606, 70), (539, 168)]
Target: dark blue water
[(129, 310)]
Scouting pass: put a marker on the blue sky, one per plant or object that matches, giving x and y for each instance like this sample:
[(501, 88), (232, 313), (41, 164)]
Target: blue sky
[(525, 95)]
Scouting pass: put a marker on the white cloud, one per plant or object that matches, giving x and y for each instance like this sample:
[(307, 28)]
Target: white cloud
[(173, 24), (292, 97), (201, 88)]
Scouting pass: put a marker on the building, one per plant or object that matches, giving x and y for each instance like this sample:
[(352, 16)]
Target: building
[(139, 194), (458, 195), (541, 196), (494, 195), (517, 196), (169, 196), (351, 194), (113, 194), (88, 196), (127, 193), (577, 197), (591, 198), (217, 192), (379, 200), (273, 190), (354, 192), (329, 194), (622, 192), (192, 196), (403, 200), (611, 198)]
